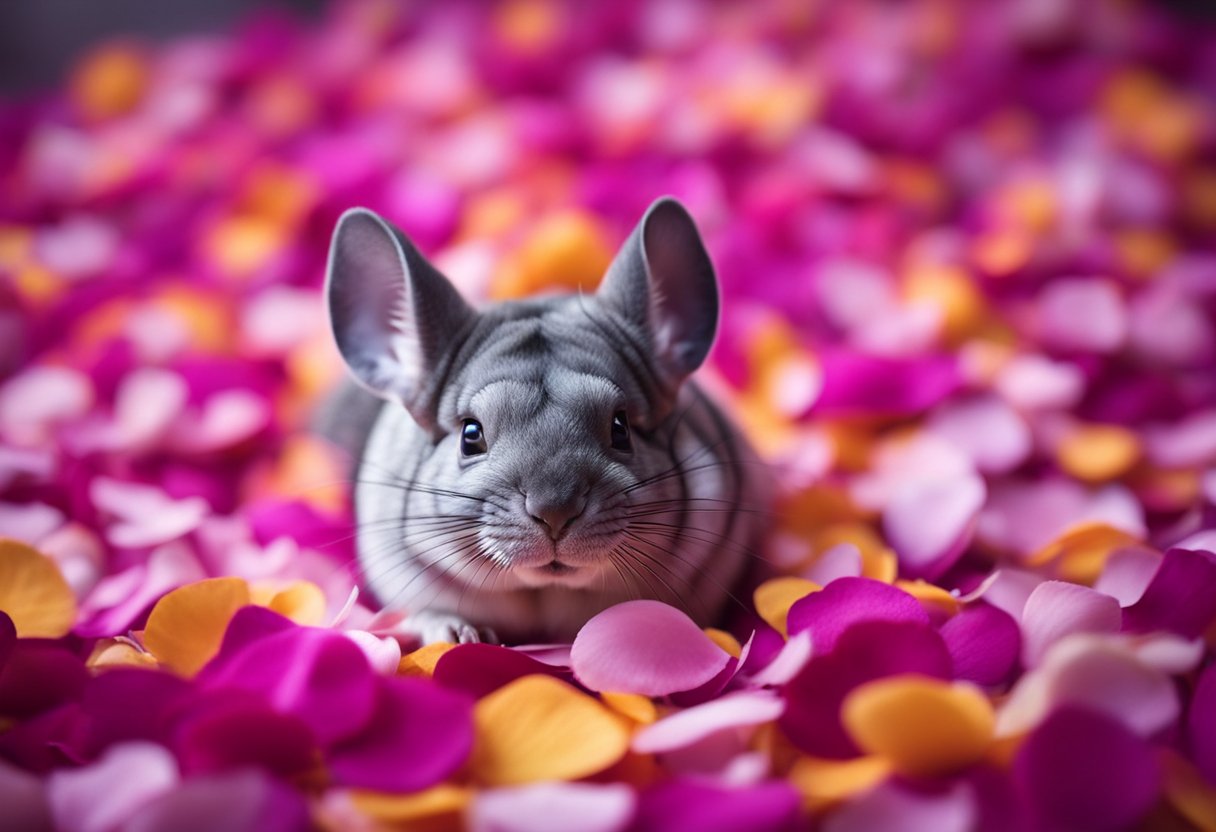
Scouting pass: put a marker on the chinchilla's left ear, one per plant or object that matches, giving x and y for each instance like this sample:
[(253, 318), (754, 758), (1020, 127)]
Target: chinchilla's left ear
[(395, 318), (662, 283)]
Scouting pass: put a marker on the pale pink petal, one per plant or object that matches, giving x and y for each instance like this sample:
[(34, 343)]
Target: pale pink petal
[(1098, 672), (146, 515), (1103, 326), (383, 653), (930, 525), (118, 599), (1189, 442), (106, 794), (1057, 609), (227, 418), (644, 647), (147, 403), (1009, 589), (29, 522), (1023, 516), (1127, 573), (1168, 327), (743, 709), (34, 402), (23, 796), (554, 807), (792, 658), (278, 319), (840, 561), (22, 462), (78, 553), (893, 808), (1034, 382), (987, 429)]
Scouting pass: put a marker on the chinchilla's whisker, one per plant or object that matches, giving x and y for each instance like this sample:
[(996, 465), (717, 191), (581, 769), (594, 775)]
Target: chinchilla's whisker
[(701, 571), (681, 597), (711, 537), (416, 558)]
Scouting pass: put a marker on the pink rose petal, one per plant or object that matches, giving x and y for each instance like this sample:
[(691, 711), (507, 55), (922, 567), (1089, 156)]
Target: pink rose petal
[(930, 524), (644, 647), (554, 807), (744, 709), (830, 612), (1128, 573), (1057, 609), (109, 793), (893, 808)]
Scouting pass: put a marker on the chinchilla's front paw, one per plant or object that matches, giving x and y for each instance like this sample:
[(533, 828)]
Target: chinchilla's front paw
[(431, 626)]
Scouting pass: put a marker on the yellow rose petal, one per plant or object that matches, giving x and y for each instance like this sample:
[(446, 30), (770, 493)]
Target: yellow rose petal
[(636, 707), (1098, 453), (930, 595), (301, 601), (34, 593), (566, 251), (924, 727), (1081, 552), (775, 597), (725, 640), (423, 660), (538, 728), (186, 626), (111, 653), (824, 783), (1188, 792), (439, 807)]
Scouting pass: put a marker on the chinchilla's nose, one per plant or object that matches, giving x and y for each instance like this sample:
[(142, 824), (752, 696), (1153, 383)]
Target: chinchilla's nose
[(556, 511)]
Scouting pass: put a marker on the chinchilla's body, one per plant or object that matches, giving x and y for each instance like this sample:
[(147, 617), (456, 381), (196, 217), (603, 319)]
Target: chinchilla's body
[(527, 465)]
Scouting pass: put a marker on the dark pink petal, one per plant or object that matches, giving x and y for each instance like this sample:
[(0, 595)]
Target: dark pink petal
[(47, 741), (1057, 609), (23, 796), (419, 734), (234, 729), (854, 383), (40, 675), (831, 611), (317, 675), (867, 651), (1181, 597), (554, 807), (1201, 724), (478, 669), (688, 806), (249, 625), (242, 801), (644, 647), (1082, 770), (8, 638), (894, 808), (131, 704), (984, 642)]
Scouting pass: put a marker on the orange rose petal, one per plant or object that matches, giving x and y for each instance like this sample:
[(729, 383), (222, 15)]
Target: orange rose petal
[(538, 728), (1098, 453), (186, 626), (774, 598), (117, 653), (423, 660), (725, 640), (301, 601), (1081, 552), (34, 593), (432, 808), (924, 727), (1185, 789), (566, 251), (931, 596), (824, 783), (636, 707)]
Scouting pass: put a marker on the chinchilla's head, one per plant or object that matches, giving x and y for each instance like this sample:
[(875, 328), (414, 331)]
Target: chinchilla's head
[(543, 425)]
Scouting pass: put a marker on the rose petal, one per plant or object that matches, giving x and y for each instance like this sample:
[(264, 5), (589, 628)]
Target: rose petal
[(232, 730), (186, 626), (786, 665), (110, 792), (644, 647), (1201, 724), (1128, 573), (1180, 598), (829, 613), (33, 592), (685, 806), (1057, 609), (243, 801), (987, 429), (419, 734), (1084, 770), (23, 796), (984, 641), (554, 807), (774, 597), (893, 808), (537, 728), (929, 525), (38, 676), (744, 709), (479, 669), (128, 704)]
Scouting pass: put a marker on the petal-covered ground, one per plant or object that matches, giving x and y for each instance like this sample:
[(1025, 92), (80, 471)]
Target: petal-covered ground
[(968, 258)]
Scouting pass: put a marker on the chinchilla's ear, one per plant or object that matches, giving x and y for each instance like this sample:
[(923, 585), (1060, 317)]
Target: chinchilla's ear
[(663, 283), (395, 318)]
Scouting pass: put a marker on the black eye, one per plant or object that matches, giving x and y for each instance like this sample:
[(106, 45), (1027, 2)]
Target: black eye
[(472, 438), (620, 432)]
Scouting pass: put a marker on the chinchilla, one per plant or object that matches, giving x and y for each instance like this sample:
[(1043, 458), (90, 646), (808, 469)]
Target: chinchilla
[(521, 467)]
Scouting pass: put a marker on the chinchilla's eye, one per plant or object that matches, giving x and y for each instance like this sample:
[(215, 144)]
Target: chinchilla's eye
[(472, 438), (620, 432)]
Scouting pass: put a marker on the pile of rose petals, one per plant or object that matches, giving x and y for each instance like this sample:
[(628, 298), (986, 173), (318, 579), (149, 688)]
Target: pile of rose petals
[(968, 263)]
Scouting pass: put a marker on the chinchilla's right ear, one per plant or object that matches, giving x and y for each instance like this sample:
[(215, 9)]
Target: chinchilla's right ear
[(395, 318)]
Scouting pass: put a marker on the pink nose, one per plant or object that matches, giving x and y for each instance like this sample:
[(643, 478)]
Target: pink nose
[(555, 515)]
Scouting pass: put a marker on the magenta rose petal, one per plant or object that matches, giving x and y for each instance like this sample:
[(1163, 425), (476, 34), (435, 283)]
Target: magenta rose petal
[(831, 611), (23, 796), (1083, 770), (743, 709), (320, 676), (250, 624), (419, 734), (554, 807), (856, 383), (1057, 609), (984, 641), (240, 801), (478, 669), (8, 638), (644, 647), (131, 704), (234, 729), (687, 806), (867, 651), (40, 675), (1201, 724), (893, 808), (1180, 598)]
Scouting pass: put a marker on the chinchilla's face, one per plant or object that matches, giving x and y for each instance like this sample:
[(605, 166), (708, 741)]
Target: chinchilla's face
[(537, 442)]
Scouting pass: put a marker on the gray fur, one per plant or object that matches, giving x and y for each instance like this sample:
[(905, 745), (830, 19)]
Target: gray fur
[(472, 543)]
